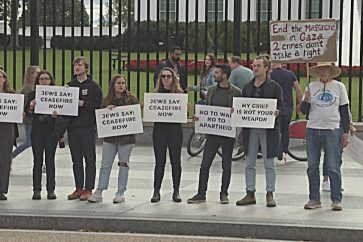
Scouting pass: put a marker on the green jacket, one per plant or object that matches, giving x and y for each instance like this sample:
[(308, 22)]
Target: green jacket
[(233, 92)]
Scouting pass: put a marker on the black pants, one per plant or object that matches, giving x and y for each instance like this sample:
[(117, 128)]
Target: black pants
[(82, 143), (212, 144), (285, 120), (43, 142), (6, 146), (167, 136)]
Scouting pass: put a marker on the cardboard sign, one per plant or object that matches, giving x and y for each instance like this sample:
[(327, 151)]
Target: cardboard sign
[(63, 100), (11, 108), (354, 149), (214, 120), (121, 120), (254, 112), (300, 41), (165, 107)]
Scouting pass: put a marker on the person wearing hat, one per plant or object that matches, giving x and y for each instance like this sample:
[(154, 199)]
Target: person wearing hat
[(326, 102)]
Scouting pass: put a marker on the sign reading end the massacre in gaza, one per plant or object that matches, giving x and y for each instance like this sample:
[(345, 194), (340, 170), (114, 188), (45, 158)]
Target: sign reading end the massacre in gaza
[(121, 120), (165, 107), (11, 108), (63, 100), (214, 120), (254, 112), (300, 41)]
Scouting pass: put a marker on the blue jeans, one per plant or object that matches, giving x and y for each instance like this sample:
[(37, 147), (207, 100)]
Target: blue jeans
[(325, 165), (329, 141), (257, 138), (109, 152), (27, 141)]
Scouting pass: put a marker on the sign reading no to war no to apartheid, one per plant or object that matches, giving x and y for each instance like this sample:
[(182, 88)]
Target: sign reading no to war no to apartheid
[(121, 120), (300, 41), (63, 100), (166, 107), (254, 112), (214, 120), (11, 108)]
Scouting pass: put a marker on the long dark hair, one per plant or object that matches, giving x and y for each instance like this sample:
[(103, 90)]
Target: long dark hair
[(111, 91), (52, 82), (6, 86), (213, 59), (175, 87)]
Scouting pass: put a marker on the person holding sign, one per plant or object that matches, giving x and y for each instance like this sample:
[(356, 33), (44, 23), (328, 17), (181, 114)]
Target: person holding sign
[(118, 95), (82, 130), (167, 136), (44, 140), (261, 86), (222, 95), (7, 131), (326, 101)]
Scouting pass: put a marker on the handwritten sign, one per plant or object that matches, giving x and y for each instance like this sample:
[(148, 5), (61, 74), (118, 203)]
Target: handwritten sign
[(300, 41), (254, 112), (214, 120), (63, 100), (354, 149), (121, 120), (165, 107), (11, 108)]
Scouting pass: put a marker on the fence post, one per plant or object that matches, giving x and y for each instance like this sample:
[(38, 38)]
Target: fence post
[(237, 27), (34, 33)]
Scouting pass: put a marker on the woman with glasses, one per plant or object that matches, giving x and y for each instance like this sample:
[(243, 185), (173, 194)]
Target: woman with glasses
[(167, 136)]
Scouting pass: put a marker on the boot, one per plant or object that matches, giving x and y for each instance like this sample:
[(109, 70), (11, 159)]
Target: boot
[(176, 196), (270, 202), (156, 196), (247, 200)]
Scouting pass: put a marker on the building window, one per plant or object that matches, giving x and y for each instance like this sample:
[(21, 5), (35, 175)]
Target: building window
[(212, 10), (172, 10), (265, 9), (315, 9)]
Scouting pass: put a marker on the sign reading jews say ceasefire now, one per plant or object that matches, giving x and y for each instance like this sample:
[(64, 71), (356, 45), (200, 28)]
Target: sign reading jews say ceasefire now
[(300, 41), (63, 100), (121, 120), (166, 107), (11, 108)]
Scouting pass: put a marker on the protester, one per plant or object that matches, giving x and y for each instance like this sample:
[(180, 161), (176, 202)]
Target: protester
[(44, 139), (222, 95), (207, 78), (287, 80), (261, 86), (173, 63), (118, 95), (7, 134), (326, 102), (28, 86), (167, 136), (240, 75), (82, 130)]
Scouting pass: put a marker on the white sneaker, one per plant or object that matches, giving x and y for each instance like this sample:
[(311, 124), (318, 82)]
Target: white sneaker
[(280, 162), (96, 196), (44, 169), (325, 186), (336, 206), (119, 198)]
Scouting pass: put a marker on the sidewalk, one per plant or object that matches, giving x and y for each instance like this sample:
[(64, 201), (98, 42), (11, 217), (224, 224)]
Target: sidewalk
[(287, 221)]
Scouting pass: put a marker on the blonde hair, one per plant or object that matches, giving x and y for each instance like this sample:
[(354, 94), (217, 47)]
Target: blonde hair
[(27, 80), (175, 87)]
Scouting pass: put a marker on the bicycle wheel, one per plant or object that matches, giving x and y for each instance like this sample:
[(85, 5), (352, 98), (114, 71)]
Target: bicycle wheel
[(297, 140), (238, 151), (196, 144)]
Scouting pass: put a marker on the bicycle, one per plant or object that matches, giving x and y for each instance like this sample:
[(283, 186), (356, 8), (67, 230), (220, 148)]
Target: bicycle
[(297, 140)]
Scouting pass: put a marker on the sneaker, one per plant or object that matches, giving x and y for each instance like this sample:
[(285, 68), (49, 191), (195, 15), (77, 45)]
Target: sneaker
[(96, 196), (280, 162), (223, 198), (85, 195), (36, 195), (336, 206), (44, 169), (325, 186), (76, 194), (312, 204), (119, 198), (51, 196), (3, 197), (197, 199)]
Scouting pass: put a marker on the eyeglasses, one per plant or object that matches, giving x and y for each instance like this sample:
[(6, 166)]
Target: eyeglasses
[(166, 76), (258, 91)]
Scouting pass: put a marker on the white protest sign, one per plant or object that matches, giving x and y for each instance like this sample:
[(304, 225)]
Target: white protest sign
[(121, 120), (254, 112), (11, 108), (299, 41), (63, 100), (166, 107), (214, 120), (354, 149)]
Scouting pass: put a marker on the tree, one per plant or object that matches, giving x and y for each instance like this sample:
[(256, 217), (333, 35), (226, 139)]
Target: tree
[(12, 11), (119, 6)]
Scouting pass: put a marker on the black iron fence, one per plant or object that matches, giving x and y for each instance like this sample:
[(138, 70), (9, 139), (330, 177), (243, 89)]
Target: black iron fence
[(133, 36)]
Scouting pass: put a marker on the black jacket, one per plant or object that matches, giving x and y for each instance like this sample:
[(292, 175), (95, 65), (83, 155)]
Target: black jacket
[(89, 92), (181, 69)]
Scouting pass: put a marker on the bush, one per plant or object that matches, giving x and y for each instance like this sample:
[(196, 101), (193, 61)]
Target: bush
[(26, 41), (4, 39)]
